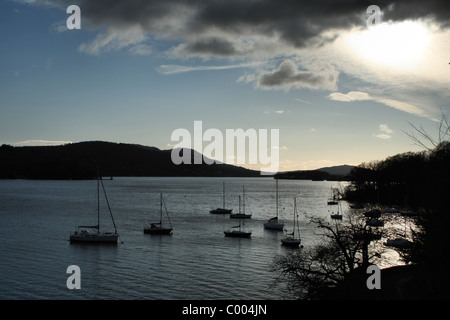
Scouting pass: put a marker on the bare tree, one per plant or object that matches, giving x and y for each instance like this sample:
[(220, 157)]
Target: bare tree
[(311, 272), (429, 142)]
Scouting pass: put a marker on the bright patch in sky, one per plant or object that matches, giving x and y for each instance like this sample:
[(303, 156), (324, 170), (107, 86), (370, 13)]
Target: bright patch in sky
[(396, 45)]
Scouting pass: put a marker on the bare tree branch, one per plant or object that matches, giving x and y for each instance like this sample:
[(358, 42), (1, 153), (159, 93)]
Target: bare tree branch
[(423, 139), (326, 265)]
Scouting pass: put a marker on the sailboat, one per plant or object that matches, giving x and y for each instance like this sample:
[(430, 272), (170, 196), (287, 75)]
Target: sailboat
[(241, 215), (237, 233), (157, 227), (222, 210), (399, 242), (290, 239), (273, 223), (87, 234), (337, 215), (332, 199)]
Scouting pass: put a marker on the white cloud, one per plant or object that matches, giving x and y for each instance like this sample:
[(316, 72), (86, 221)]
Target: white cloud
[(279, 111), (384, 128), (402, 106), (383, 136), (115, 39), (350, 96), (247, 78), (303, 101), (141, 49), (364, 96), (28, 143), (59, 27), (385, 132), (173, 69)]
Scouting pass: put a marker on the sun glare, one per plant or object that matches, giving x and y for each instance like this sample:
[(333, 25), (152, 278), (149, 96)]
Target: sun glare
[(397, 45)]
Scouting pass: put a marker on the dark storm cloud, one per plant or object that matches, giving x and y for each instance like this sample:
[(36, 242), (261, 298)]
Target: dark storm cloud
[(287, 76), (212, 46), (294, 22), (439, 10)]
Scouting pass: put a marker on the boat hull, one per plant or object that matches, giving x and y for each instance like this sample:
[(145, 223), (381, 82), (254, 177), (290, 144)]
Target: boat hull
[(221, 211), (274, 226), (94, 238), (158, 230), (375, 223), (240, 216), (290, 242), (398, 243), (237, 234)]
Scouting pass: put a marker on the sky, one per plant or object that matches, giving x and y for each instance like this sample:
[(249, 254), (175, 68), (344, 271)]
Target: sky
[(340, 90)]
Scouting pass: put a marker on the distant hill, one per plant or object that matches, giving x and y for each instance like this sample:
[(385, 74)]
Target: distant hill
[(79, 161), (343, 170), (336, 173)]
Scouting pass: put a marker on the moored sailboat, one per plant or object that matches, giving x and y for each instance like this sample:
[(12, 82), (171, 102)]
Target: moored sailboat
[(291, 240), (332, 199), (274, 223), (338, 215), (222, 210), (241, 215), (92, 233), (158, 227), (237, 233)]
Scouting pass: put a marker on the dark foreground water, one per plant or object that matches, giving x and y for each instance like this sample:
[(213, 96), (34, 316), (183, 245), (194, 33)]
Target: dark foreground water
[(196, 262)]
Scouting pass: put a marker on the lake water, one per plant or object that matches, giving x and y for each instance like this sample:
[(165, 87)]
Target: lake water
[(197, 262)]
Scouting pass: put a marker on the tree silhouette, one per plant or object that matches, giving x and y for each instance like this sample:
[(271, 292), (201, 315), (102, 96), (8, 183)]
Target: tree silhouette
[(323, 271), (427, 140), (417, 181)]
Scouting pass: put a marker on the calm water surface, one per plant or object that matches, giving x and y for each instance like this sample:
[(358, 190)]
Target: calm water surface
[(196, 262)]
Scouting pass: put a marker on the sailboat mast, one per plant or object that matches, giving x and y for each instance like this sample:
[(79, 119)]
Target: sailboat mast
[(277, 195), (223, 194), (295, 207), (98, 202), (160, 208), (167, 213), (239, 204), (109, 208), (243, 200)]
